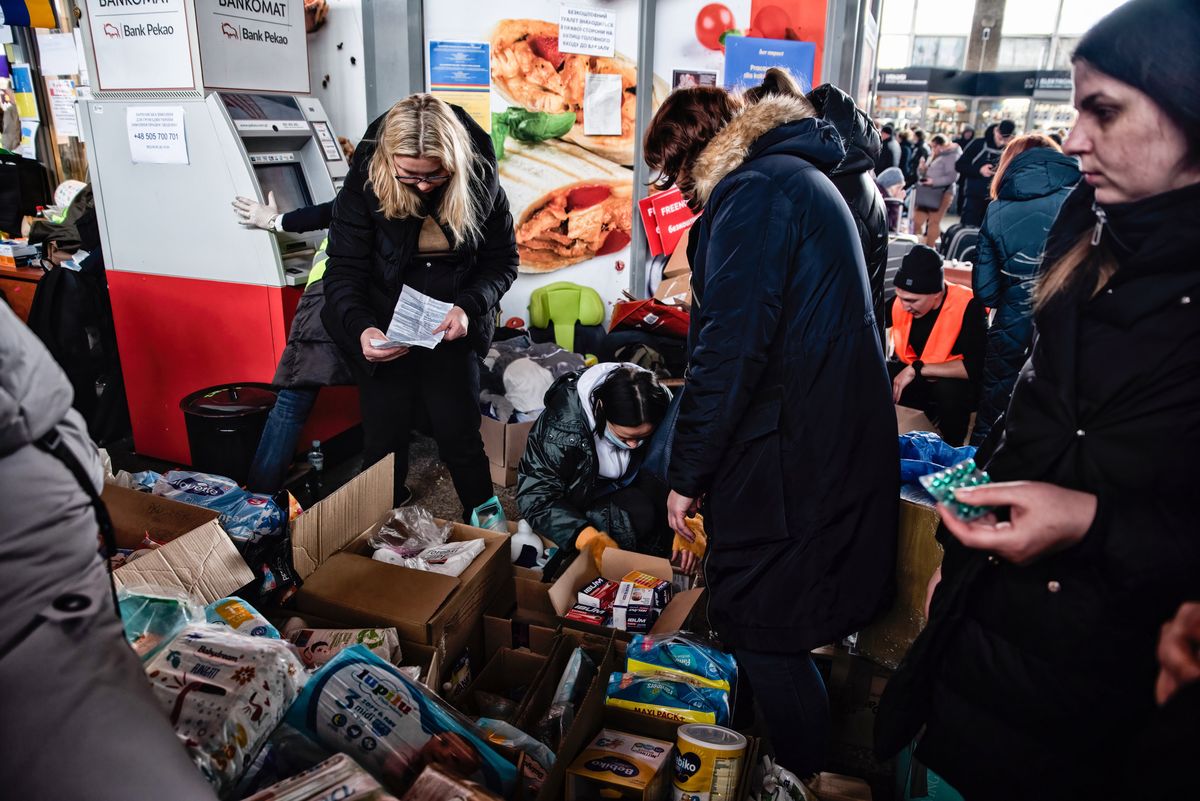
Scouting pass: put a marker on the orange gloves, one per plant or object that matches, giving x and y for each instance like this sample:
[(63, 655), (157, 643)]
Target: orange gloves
[(593, 542)]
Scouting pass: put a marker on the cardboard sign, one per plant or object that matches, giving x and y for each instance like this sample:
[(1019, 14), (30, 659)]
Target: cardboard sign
[(127, 39), (673, 216), (650, 225), (253, 45)]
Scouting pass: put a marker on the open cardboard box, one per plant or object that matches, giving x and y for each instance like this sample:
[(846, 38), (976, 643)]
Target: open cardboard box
[(615, 565), (503, 632), (510, 674), (533, 591), (504, 444), (343, 582), (198, 557)]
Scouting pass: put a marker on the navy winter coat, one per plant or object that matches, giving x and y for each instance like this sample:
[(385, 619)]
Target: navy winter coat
[(786, 422), (1011, 243)]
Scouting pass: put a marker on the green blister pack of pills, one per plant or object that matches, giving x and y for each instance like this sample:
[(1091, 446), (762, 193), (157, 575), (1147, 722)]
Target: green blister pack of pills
[(942, 484)]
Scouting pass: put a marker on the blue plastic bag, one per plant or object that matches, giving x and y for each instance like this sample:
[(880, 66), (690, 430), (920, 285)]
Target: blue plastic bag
[(245, 517), (361, 706), (923, 452)]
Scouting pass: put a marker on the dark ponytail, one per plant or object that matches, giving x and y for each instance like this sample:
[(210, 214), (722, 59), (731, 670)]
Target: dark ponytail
[(629, 397)]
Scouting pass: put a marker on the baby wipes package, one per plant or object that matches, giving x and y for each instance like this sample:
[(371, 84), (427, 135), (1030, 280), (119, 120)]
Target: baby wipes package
[(318, 646), (684, 654), (361, 706), (224, 693), (668, 696), (241, 617), (449, 559), (620, 765)]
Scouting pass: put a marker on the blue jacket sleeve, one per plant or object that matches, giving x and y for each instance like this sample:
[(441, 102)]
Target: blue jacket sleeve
[(985, 278), (750, 253)]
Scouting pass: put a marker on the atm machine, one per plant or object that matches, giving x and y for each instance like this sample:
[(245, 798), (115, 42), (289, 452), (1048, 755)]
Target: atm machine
[(197, 299)]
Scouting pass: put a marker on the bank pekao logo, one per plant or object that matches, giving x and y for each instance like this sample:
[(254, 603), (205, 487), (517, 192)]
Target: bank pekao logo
[(614, 765), (112, 31), (229, 31), (686, 766)]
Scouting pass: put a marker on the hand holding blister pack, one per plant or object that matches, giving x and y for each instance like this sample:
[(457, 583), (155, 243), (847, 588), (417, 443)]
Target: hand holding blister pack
[(942, 484)]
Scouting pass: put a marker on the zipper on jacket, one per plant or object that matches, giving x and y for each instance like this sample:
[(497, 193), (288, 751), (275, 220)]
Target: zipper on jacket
[(1101, 221)]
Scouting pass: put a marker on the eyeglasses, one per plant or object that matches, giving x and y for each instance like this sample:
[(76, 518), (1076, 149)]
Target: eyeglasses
[(432, 180)]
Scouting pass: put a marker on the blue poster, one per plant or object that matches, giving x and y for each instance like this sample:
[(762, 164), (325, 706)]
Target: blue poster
[(747, 60), (459, 65)]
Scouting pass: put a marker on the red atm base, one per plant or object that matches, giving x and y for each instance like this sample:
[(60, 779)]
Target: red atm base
[(178, 335)]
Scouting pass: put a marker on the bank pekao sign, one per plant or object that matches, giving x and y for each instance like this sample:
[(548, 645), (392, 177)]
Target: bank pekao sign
[(253, 45), (140, 45)]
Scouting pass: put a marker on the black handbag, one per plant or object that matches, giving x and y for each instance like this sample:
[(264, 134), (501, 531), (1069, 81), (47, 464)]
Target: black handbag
[(904, 708)]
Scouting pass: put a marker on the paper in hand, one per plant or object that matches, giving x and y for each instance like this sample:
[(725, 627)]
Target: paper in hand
[(413, 321)]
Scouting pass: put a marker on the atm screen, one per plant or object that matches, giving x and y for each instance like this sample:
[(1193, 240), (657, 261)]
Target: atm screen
[(287, 182), (261, 107)]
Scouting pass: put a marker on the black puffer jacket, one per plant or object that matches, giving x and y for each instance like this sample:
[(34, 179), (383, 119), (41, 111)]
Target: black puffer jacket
[(370, 255), (786, 421), (1009, 260), (852, 177), (558, 474), (1051, 675)]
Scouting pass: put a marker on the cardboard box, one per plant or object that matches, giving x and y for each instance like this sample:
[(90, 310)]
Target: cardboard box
[(834, 787), (678, 263), (909, 420), (918, 556), (510, 674), (504, 444), (676, 291), (855, 686), (424, 607), (343, 582), (500, 632), (621, 763), (616, 565), (533, 592), (198, 557)]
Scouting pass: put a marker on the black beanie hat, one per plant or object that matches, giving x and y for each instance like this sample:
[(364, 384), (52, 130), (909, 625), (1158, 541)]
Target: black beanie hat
[(1007, 127), (1152, 46), (921, 272)]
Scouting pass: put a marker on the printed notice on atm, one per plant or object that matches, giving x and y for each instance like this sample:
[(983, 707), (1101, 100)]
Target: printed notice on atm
[(413, 321), (156, 135)]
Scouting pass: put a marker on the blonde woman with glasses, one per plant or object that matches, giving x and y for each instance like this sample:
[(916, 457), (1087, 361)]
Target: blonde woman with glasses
[(422, 208)]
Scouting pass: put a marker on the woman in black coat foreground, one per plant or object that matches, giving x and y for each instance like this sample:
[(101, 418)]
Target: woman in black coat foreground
[(1042, 660), (786, 428), (422, 208)]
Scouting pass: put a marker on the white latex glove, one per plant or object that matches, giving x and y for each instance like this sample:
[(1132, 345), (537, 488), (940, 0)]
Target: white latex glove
[(253, 214)]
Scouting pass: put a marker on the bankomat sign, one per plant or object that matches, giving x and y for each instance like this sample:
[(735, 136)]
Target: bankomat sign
[(129, 34), (274, 11), (253, 45)]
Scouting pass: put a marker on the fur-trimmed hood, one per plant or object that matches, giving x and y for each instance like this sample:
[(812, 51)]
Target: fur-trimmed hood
[(776, 124)]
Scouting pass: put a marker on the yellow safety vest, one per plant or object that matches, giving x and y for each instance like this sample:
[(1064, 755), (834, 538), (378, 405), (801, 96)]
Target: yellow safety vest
[(318, 265)]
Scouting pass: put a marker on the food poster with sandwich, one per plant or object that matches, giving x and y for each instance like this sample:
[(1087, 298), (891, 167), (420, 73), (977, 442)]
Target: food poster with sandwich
[(564, 128)]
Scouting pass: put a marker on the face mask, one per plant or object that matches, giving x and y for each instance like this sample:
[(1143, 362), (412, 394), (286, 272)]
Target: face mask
[(618, 442)]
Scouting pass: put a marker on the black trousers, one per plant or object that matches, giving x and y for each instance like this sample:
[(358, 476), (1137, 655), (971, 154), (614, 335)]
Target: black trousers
[(947, 402), (635, 516), (443, 384)]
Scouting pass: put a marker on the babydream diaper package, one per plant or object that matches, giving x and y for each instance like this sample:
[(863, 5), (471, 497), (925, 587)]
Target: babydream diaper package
[(668, 696)]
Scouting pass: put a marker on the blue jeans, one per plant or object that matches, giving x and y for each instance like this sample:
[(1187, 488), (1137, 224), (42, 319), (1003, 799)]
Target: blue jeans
[(791, 696), (278, 443)]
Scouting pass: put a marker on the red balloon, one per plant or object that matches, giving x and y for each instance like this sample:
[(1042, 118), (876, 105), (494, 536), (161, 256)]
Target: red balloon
[(713, 22)]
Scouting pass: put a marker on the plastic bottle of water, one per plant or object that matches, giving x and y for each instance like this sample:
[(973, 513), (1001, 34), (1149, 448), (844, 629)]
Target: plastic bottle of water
[(316, 460)]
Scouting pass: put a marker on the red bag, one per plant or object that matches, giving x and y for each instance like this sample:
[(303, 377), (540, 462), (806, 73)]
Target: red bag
[(652, 316)]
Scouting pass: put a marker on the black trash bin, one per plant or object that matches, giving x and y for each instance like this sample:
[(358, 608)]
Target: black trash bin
[(224, 425)]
